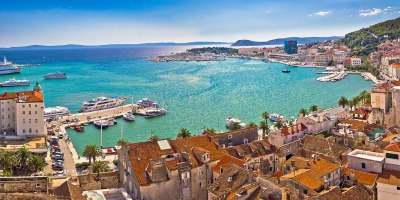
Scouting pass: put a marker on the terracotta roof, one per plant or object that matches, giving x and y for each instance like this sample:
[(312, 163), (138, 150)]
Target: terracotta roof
[(69, 191), (32, 96), (355, 192), (140, 155), (389, 137), (365, 178), (202, 141), (396, 65), (255, 149), (394, 129), (389, 177), (356, 125), (395, 147), (293, 129), (225, 161)]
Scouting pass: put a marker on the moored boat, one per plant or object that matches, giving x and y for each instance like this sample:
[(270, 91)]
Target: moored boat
[(154, 113), (101, 124), (56, 75), (14, 83), (54, 112), (146, 103), (101, 103), (8, 67), (275, 117), (129, 116)]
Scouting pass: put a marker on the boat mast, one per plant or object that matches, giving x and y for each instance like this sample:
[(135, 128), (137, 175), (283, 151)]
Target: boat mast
[(101, 135), (122, 129)]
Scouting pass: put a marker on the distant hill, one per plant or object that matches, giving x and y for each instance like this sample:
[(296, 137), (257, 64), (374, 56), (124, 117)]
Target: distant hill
[(364, 41), (77, 46), (279, 41)]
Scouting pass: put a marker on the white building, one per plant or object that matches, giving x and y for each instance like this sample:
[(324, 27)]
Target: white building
[(392, 155), (339, 56), (394, 71), (22, 113), (366, 161), (388, 185), (279, 137), (355, 61), (322, 121)]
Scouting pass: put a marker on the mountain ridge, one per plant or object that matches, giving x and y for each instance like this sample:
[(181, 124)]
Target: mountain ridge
[(278, 41)]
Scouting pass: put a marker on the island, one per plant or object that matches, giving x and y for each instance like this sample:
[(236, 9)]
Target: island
[(198, 54)]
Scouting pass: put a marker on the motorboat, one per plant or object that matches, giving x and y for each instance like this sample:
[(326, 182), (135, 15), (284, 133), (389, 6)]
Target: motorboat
[(14, 83), (129, 116), (102, 103)]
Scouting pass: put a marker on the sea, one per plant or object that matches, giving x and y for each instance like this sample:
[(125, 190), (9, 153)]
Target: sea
[(197, 95)]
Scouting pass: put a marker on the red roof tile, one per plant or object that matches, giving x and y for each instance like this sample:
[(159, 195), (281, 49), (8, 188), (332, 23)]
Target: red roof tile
[(395, 147)]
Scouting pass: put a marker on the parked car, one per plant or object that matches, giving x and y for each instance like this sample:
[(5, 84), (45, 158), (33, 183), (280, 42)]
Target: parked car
[(60, 135), (58, 160), (57, 167), (59, 173), (57, 153), (57, 157), (55, 145)]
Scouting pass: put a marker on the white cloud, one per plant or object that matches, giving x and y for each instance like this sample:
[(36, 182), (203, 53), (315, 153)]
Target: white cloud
[(268, 11), (372, 12), (321, 13)]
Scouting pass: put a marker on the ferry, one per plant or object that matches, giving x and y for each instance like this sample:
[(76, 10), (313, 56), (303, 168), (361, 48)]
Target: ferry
[(54, 112), (154, 113), (56, 75), (146, 103), (14, 83), (275, 117), (101, 124), (8, 67), (231, 120), (102, 103), (129, 116)]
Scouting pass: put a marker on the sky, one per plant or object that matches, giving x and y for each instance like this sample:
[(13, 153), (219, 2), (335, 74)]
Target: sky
[(95, 22)]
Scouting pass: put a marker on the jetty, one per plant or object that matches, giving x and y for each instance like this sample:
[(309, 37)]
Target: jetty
[(333, 77)]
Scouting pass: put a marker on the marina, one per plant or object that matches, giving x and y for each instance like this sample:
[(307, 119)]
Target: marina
[(335, 76)]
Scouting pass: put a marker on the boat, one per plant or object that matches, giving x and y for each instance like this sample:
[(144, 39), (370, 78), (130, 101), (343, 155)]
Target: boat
[(286, 71), (102, 103), (54, 112), (8, 67), (55, 75), (146, 103), (112, 121), (230, 120), (14, 83), (101, 124), (79, 128), (275, 117), (129, 116), (154, 113)]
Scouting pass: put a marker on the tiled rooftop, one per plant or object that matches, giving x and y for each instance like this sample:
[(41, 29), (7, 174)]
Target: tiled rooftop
[(365, 178), (389, 177), (32, 96)]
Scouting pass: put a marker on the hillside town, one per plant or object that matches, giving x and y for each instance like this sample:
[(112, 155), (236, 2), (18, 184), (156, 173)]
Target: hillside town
[(348, 152)]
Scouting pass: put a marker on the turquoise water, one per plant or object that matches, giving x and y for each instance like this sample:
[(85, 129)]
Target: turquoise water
[(196, 94)]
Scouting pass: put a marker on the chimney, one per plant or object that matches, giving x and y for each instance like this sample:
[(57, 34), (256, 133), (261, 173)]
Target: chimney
[(326, 184), (308, 164)]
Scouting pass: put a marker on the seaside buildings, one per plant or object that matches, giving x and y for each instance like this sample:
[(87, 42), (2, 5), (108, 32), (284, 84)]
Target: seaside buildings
[(290, 46)]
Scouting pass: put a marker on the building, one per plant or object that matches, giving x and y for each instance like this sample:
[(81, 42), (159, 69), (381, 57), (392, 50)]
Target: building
[(388, 185), (291, 47), (392, 155), (278, 137), (394, 71), (366, 161), (339, 56), (322, 121), (176, 169), (355, 61), (225, 161), (22, 114), (237, 137)]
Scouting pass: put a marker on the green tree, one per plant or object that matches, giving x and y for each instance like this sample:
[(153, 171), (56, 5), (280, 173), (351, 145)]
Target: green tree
[(8, 160), (100, 166), (265, 116), (313, 108), (36, 163), (91, 151), (210, 131), (303, 111), (343, 101), (264, 127), (279, 124), (251, 125), (122, 142), (183, 133), (22, 156), (153, 138), (234, 126)]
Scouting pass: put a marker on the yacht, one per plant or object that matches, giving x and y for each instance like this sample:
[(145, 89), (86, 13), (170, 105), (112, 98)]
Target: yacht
[(275, 117), (54, 112), (101, 124), (146, 103), (101, 103), (154, 113), (231, 120), (14, 83), (56, 75), (8, 67), (129, 116)]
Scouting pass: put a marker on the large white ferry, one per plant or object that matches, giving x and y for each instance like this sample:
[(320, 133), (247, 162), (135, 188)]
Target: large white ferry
[(101, 103), (14, 82), (56, 75), (54, 112), (8, 67)]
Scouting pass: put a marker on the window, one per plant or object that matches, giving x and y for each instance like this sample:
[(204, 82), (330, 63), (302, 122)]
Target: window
[(229, 136), (22, 105), (23, 131), (398, 187), (23, 121), (270, 169), (35, 105), (36, 120), (363, 165), (391, 155), (304, 191), (30, 112), (30, 105), (30, 130), (200, 171), (35, 112), (23, 112), (30, 121), (36, 131), (200, 185), (245, 141)]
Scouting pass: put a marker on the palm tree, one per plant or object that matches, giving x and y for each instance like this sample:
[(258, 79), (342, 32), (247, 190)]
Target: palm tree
[(251, 125), (303, 111), (264, 127), (23, 155), (355, 101), (313, 108), (8, 160), (365, 96), (100, 166), (279, 124), (210, 131), (265, 116), (183, 133), (153, 138), (91, 152), (122, 142), (36, 163), (234, 126), (343, 101)]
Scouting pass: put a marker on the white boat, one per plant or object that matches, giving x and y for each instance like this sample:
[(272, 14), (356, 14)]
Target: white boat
[(8, 67), (54, 112), (231, 120), (146, 103), (101, 103), (129, 116), (14, 83), (101, 124), (275, 117), (112, 122), (155, 113), (56, 75)]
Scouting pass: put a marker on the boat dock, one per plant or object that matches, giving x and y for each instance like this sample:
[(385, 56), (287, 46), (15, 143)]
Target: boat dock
[(365, 75)]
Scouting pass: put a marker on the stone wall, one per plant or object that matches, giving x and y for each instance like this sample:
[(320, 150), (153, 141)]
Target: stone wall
[(38, 184)]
